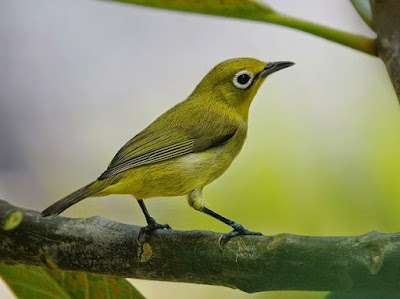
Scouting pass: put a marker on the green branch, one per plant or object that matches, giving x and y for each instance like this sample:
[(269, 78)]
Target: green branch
[(351, 40), (255, 11)]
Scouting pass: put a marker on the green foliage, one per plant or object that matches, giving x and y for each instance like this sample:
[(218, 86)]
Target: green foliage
[(246, 9), (363, 295), (363, 8), (40, 283), (256, 11)]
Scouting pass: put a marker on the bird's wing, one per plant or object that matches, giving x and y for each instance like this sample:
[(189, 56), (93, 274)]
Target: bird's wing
[(174, 139)]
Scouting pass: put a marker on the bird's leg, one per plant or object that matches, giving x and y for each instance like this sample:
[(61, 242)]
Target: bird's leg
[(238, 229), (151, 222), (195, 199)]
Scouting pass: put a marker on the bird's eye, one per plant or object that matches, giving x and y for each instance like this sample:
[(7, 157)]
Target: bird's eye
[(243, 79)]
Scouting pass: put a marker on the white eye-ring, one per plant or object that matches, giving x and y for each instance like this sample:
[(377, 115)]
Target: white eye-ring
[(243, 79)]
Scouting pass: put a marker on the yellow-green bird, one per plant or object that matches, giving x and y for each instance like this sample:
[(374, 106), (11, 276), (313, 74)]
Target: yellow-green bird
[(187, 147)]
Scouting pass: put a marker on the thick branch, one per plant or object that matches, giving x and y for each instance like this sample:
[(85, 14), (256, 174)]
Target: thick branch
[(387, 25), (251, 263)]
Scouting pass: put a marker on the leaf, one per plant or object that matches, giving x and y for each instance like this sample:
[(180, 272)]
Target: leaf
[(228, 8), (364, 295), (363, 8), (40, 283), (257, 11)]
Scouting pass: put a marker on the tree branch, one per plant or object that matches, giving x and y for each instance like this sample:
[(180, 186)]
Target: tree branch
[(387, 25), (251, 263)]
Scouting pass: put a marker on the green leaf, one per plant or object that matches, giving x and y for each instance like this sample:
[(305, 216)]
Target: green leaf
[(363, 8), (256, 11), (40, 283), (364, 295), (227, 8)]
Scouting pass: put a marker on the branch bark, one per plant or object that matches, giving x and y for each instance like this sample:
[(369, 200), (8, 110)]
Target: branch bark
[(386, 15), (369, 262)]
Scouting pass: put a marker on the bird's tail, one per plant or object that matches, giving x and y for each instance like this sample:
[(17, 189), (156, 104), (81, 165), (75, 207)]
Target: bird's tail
[(75, 197)]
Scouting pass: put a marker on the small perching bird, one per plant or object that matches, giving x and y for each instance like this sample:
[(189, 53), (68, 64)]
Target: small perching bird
[(187, 147)]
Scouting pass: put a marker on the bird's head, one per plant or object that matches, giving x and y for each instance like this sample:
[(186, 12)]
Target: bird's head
[(236, 81)]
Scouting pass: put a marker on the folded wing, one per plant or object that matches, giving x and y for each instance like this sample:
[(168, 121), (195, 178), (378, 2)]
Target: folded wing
[(155, 144)]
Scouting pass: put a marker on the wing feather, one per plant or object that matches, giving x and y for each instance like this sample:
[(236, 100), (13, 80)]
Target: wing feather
[(167, 139)]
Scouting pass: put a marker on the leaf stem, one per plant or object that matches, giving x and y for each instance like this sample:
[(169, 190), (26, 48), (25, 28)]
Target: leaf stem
[(357, 42)]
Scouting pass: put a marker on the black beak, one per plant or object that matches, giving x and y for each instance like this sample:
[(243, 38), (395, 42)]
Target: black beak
[(272, 67)]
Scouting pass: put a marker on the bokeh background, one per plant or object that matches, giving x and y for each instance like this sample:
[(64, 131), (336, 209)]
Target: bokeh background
[(80, 78)]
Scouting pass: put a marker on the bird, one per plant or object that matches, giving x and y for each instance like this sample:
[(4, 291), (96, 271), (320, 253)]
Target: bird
[(187, 147)]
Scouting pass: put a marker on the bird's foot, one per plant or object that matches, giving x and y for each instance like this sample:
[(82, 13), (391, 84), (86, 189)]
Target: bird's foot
[(151, 226), (238, 230)]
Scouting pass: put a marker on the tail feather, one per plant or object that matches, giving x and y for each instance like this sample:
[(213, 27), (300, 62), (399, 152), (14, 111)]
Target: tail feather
[(75, 197)]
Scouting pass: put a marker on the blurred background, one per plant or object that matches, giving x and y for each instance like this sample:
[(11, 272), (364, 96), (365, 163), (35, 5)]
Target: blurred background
[(79, 78)]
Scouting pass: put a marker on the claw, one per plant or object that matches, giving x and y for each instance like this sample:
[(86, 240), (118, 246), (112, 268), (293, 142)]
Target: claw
[(238, 230), (149, 228)]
